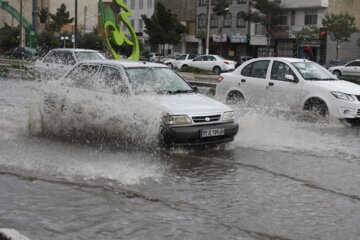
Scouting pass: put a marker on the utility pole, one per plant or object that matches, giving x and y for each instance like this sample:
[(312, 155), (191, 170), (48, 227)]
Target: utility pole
[(207, 26), (76, 23), (21, 25), (85, 12), (35, 17)]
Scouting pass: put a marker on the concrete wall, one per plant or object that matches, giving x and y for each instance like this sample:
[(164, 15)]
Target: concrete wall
[(304, 3), (346, 6)]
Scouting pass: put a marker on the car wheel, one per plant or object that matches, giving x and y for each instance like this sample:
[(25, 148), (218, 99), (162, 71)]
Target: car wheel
[(235, 97), (351, 122), (170, 65), (316, 106), (337, 73), (217, 70), (184, 66)]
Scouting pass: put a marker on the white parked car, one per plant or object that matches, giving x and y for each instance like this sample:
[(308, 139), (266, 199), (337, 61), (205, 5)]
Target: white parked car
[(291, 83), (173, 63), (59, 61), (214, 63), (99, 94), (350, 69)]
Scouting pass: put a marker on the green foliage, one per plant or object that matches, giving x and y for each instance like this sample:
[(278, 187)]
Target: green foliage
[(307, 34), (268, 12), (340, 26), (4, 71), (43, 15), (90, 41), (47, 40), (164, 26), (59, 19), (9, 37)]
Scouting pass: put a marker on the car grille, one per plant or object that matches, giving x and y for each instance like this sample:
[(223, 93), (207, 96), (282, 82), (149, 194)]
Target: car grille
[(358, 97), (202, 119)]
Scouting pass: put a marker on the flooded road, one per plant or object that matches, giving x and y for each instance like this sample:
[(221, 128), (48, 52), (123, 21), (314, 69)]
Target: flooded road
[(282, 178)]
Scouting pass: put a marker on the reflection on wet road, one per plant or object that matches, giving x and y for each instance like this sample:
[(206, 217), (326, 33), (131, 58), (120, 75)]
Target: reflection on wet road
[(282, 178)]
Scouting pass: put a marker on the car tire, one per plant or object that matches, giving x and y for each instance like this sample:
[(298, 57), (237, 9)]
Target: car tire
[(235, 97), (217, 70), (183, 66), (316, 106), (351, 122), (170, 65), (337, 73)]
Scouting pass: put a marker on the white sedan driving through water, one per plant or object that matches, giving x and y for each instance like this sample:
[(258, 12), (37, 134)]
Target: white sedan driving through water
[(129, 99), (291, 83)]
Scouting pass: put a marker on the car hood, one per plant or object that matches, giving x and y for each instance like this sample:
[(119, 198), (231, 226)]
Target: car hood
[(339, 85), (191, 103)]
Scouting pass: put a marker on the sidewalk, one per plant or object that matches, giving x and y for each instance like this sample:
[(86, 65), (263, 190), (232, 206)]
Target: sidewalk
[(203, 80)]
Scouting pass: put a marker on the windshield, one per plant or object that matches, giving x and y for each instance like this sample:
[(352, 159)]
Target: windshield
[(156, 79), (81, 56), (313, 71)]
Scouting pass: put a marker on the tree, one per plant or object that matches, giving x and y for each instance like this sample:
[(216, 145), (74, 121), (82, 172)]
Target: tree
[(90, 41), (265, 12), (47, 40), (219, 9), (43, 17), (307, 34), (60, 18), (163, 27), (9, 37), (340, 27)]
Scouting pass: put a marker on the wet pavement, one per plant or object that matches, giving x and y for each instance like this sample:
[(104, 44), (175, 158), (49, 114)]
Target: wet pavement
[(282, 178)]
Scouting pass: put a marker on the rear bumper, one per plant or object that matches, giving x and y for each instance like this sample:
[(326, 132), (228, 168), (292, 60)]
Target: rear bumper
[(190, 135)]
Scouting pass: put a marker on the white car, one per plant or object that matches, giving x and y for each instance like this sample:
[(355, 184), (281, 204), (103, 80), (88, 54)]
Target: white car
[(173, 63), (214, 63), (291, 83), (350, 69), (59, 61), (124, 97)]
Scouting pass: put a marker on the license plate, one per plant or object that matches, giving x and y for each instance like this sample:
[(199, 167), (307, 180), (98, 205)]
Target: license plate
[(212, 132)]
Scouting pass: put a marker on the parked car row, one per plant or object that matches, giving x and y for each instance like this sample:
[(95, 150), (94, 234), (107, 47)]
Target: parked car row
[(351, 68)]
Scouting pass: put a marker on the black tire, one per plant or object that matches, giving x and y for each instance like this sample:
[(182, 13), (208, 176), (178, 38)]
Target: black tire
[(235, 97), (217, 70), (184, 66), (316, 106), (337, 73), (170, 65), (351, 122)]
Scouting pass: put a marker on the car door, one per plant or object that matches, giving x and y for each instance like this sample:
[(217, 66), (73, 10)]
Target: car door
[(252, 81), (65, 60), (198, 62), (282, 92), (352, 69)]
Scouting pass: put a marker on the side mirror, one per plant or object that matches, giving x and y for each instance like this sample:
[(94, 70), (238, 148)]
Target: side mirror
[(195, 89), (290, 78)]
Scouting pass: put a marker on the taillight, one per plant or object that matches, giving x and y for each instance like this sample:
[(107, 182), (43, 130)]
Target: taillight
[(226, 62), (220, 78)]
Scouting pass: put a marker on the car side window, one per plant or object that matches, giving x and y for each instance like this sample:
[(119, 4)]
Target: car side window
[(50, 57), (182, 57), (202, 58), (279, 70), (83, 76), (65, 58), (111, 81), (256, 69), (351, 64), (211, 58), (192, 56)]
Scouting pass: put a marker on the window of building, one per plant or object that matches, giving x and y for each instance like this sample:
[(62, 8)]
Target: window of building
[(292, 21), (132, 4), (241, 1), (240, 22), (259, 29), (140, 22), (149, 4), (141, 4), (283, 19), (214, 21), (227, 20), (202, 2), (201, 20), (310, 17), (132, 21)]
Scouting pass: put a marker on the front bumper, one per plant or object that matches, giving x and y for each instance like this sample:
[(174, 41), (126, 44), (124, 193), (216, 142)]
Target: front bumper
[(190, 135), (344, 109)]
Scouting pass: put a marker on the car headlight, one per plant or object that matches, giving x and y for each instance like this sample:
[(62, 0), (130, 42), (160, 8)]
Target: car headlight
[(343, 96), (176, 120), (229, 116)]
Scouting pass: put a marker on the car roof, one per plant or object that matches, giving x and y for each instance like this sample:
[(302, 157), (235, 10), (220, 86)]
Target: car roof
[(126, 63), (74, 49), (288, 59)]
